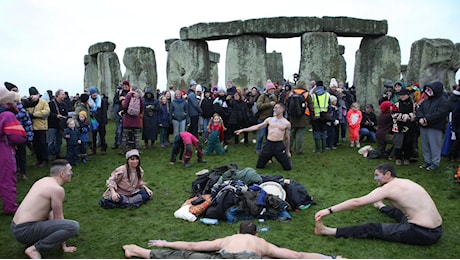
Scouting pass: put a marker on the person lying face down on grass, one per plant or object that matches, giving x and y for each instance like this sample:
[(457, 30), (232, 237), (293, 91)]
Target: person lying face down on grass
[(243, 245), (419, 222), (125, 186)]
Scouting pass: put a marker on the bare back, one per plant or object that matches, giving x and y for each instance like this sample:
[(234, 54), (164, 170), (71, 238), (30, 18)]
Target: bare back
[(37, 204), (277, 127), (245, 242), (413, 200)]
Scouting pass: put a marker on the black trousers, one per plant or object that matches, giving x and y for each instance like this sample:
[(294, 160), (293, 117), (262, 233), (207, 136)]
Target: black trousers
[(40, 144), (403, 232), (101, 130), (276, 149)]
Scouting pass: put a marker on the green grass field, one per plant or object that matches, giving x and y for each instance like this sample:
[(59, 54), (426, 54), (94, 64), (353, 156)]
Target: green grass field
[(330, 177)]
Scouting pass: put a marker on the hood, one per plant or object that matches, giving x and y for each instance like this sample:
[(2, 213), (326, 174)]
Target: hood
[(319, 90), (437, 88), (149, 90)]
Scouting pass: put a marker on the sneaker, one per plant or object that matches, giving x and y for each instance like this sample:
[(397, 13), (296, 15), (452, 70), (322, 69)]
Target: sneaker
[(425, 165), (432, 167), (398, 162), (226, 148), (242, 140), (187, 165), (406, 162), (201, 160), (358, 145), (352, 144), (254, 141)]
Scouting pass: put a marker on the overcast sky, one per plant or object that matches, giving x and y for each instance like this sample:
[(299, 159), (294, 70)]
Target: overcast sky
[(43, 42)]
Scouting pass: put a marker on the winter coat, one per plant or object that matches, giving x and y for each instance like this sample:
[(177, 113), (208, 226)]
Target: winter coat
[(434, 109), (39, 112)]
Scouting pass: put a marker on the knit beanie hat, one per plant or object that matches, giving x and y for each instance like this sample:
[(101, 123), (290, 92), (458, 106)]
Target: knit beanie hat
[(198, 88), (33, 91), (10, 86), (269, 85), (92, 90), (385, 106), (8, 97), (333, 83), (83, 113), (192, 82), (125, 82)]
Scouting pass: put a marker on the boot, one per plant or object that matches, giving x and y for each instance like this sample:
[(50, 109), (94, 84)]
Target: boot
[(323, 145), (317, 145), (84, 158)]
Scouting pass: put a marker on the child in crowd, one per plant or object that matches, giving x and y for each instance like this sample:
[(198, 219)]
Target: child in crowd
[(83, 128), (182, 145), (333, 125), (354, 117), (72, 137), (164, 121), (404, 127), (215, 137)]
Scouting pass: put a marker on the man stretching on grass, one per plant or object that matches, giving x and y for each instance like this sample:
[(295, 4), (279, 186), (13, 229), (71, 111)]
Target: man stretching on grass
[(419, 220), (39, 221), (244, 245), (278, 130)]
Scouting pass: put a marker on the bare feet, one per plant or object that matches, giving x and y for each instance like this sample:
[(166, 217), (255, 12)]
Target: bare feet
[(379, 204), (130, 250), (32, 252), (321, 229)]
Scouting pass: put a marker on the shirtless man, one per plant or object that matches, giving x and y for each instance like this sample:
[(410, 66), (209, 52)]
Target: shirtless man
[(414, 209), (39, 221), (278, 130), (246, 244)]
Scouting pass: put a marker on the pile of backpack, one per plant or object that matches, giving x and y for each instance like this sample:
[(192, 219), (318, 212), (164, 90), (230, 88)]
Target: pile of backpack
[(231, 194)]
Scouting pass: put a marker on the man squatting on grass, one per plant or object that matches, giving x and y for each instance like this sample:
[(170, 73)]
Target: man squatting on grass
[(39, 221), (414, 209), (278, 130), (244, 245)]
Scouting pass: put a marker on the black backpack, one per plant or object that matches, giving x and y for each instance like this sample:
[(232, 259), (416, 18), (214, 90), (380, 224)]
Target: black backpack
[(296, 105)]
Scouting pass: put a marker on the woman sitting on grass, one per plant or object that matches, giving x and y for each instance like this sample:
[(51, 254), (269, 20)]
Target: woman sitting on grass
[(126, 187)]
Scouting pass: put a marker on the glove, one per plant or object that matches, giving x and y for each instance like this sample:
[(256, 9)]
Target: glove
[(336, 122)]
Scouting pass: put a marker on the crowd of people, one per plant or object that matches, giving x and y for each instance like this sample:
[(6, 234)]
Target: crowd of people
[(277, 117)]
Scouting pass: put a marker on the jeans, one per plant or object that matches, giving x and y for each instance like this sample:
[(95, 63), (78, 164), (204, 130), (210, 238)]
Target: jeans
[(260, 137), (366, 132), (118, 123), (178, 126), (205, 127), (54, 141)]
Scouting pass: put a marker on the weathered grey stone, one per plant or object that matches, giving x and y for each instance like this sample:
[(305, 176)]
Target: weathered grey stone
[(403, 71), (141, 67), (377, 60), (320, 59), (187, 60), (354, 27), (432, 59), (275, 70), (285, 27), (246, 61), (109, 75), (341, 49), (168, 42), (212, 31), (91, 76), (214, 57), (282, 27), (342, 73), (101, 47)]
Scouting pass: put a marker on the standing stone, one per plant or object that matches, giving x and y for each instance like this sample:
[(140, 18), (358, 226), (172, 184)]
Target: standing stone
[(378, 59), (109, 76), (246, 61), (187, 60), (320, 58), (214, 59), (275, 66), (433, 59), (141, 67), (91, 76)]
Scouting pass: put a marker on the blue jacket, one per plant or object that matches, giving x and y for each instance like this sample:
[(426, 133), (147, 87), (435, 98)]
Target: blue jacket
[(194, 108)]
